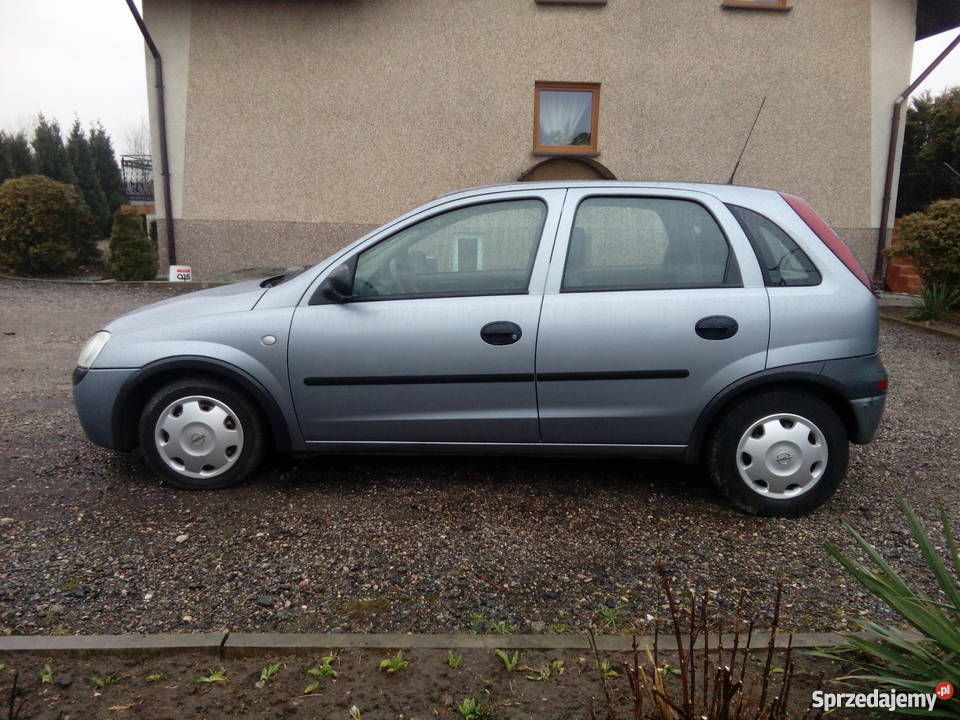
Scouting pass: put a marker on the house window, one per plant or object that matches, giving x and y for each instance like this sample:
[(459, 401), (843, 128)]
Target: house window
[(758, 4), (565, 118)]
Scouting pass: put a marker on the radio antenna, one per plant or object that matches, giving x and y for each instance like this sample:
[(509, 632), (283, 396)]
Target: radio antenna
[(747, 142)]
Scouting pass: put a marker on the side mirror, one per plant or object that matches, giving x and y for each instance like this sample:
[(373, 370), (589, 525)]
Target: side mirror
[(337, 287)]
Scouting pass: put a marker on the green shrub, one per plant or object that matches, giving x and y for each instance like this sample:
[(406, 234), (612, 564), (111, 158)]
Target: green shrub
[(131, 255), (932, 240), (938, 301), (44, 227), (890, 658)]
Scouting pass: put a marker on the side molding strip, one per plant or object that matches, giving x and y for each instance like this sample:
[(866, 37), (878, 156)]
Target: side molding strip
[(494, 378)]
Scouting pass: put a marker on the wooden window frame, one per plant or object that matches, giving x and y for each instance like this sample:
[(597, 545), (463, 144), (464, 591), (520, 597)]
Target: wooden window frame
[(588, 150), (781, 5), (571, 2)]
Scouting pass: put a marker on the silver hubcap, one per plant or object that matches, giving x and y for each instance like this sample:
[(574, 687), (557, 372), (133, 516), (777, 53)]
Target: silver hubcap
[(198, 436), (782, 456)]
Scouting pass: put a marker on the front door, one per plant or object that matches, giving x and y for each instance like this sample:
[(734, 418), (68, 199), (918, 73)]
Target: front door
[(437, 343), (653, 305)]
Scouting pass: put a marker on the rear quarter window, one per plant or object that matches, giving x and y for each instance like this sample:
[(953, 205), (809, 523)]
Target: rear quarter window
[(782, 261)]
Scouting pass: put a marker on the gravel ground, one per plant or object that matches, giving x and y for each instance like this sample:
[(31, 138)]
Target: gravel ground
[(95, 544)]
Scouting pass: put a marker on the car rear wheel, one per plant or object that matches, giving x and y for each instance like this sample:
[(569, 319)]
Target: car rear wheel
[(779, 453), (201, 434)]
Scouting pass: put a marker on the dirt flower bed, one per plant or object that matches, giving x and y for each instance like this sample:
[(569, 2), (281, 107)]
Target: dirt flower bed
[(556, 685)]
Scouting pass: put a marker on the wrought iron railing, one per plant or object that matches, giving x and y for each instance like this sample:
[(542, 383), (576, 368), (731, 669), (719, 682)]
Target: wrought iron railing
[(137, 174)]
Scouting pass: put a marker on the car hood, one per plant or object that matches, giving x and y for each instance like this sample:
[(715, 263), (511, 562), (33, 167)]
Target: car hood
[(214, 301)]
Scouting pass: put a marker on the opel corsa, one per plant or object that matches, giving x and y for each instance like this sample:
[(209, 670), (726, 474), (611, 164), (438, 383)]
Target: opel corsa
[(714, 324)]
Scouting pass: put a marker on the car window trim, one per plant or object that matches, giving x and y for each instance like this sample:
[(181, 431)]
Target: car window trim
[(429, 296), (731, 253), (535, 250)]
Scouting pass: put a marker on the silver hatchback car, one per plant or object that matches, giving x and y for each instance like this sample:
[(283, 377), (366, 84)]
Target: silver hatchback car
[(716, 324)]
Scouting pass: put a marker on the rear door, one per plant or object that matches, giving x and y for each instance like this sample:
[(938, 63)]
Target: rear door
[(438, 342), (653, 304)]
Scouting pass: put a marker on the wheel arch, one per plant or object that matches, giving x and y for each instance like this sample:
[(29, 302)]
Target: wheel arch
[(135, 393), (804, 380)]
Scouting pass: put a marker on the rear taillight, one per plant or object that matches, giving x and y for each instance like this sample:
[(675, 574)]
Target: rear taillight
[(829, 237)]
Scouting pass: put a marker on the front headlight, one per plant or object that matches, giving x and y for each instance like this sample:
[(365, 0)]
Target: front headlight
[(90, 352)]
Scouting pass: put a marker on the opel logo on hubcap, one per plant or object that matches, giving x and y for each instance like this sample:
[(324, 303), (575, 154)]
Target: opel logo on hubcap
[(784, 458), (197, 438)]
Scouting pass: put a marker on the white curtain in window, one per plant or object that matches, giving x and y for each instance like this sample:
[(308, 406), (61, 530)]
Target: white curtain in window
[(563, 116)]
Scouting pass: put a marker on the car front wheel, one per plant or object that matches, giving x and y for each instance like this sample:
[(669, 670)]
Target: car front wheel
[(778, 453), (201, 434)]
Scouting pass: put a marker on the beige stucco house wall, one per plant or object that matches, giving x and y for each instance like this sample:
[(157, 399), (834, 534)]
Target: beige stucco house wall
[(294, 127)]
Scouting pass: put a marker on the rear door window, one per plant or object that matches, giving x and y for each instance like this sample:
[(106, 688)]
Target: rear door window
[(782, 261), (646, 243)]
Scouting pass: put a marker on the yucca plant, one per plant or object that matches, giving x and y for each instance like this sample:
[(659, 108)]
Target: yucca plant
[(938, 300), (894, 661)]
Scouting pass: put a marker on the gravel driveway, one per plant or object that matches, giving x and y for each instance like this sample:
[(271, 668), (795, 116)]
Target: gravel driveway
[(97, 545)]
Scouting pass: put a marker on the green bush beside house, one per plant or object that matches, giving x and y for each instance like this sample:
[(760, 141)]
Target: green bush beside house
[(932, 240), (131, 255), (45, 227)]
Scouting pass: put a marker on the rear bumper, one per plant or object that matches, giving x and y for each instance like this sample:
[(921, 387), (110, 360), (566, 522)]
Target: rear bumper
[(866, 414), (863, 381), (95, 395)]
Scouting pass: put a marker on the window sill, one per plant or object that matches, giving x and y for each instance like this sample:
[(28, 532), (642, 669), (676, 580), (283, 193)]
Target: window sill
[(565, 153), (749, 5)]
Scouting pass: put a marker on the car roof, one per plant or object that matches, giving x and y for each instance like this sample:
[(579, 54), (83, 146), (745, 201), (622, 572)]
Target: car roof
[(724, 193)]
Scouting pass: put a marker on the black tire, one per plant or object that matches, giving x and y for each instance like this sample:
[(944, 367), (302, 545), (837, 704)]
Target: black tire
[(237, 411), (722, 452)]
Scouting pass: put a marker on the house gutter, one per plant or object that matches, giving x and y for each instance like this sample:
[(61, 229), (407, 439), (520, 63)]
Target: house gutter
[(164, 158), (892, 157)]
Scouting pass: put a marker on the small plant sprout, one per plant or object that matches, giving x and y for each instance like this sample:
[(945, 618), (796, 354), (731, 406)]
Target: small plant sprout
[(501, 627), (325, 669), (269, 671), (609, 615), (560, 629), (606, 670), (215, 677), (395, 663), (509, 661), (46, 674), (355, 713), (557, 667), (102, 682), (472, 709), (453, 659), (540, 675), (155, 677), (475, 618), (3, 667)]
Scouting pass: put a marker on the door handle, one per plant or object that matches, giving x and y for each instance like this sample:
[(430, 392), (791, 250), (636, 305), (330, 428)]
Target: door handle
[(501, 332), (717, 327)]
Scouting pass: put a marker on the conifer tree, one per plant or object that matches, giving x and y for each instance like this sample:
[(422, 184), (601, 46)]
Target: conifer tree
[(78, 148), (51, 156), (130, 256), (6, 168), (21, 158), (108, 171)]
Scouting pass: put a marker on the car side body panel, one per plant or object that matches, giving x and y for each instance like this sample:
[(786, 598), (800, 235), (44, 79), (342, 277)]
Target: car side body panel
[(561, 388)]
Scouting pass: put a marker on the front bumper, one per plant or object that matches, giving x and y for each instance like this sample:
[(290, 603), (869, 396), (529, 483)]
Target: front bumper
[(95, 395)]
